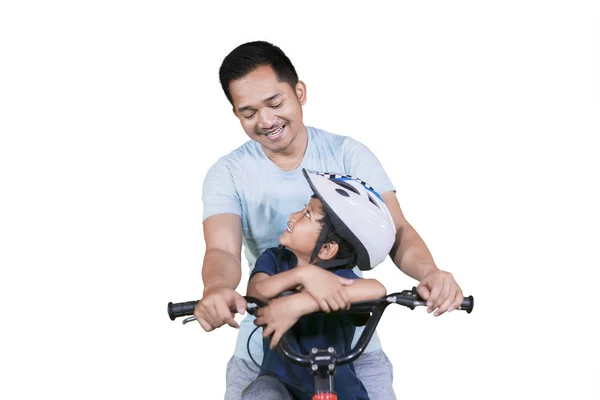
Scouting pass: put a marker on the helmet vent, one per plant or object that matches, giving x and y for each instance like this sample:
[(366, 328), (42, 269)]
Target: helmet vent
[(346, 185), (342, 192), (373, 201)]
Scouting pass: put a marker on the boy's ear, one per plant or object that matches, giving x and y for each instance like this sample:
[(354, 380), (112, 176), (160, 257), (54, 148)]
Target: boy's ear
[(328, 251)]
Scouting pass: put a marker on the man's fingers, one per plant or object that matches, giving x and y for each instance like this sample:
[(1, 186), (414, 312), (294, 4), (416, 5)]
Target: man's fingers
[(205, 325), (443, 296), (423, 291), (225, 314), (433, 297), (240, 304), (324, 306), (231, 322), (443, 307), (458, 299), (211, 315)]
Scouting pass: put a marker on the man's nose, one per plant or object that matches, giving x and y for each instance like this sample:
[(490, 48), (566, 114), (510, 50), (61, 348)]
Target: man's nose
[(266, 119)]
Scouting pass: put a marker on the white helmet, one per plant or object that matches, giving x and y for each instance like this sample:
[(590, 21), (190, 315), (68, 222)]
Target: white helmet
[(358, 214)]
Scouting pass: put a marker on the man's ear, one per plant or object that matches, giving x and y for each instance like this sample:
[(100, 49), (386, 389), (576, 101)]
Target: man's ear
[(328, 251), (301, 92)]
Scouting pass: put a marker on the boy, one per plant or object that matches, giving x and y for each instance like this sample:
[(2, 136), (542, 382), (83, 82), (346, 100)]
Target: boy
[(344, 224)]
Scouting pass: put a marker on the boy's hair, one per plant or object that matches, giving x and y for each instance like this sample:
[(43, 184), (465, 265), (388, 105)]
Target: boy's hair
[(345, 249), (249, 56)]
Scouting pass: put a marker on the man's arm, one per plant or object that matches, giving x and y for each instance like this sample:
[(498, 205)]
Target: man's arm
[(409, 252), (221, 272), (222, 265), (411, 256)]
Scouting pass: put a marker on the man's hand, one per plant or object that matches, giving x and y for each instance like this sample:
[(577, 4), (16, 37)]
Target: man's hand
[(441, 292), (276, 318), (325, 287), (218, 307)]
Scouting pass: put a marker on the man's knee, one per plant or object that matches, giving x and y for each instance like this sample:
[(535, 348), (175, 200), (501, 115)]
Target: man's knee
[(375, 371), (266, 388)]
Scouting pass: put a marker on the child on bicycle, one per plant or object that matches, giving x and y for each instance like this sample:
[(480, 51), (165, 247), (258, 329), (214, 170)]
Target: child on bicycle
[(345, 224)]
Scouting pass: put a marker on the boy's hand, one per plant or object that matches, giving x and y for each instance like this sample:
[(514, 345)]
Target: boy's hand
[(441, 292), (325, 287), (215, 308), (276, 318)]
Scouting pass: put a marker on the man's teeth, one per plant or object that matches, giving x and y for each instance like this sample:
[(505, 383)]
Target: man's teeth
[(289, 230), (276, 131)]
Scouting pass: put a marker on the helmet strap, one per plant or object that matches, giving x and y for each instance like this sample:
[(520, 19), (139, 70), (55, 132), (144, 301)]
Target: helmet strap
[(338, 263)]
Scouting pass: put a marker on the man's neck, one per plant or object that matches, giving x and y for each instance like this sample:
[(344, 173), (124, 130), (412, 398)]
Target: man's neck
[(290, 158)]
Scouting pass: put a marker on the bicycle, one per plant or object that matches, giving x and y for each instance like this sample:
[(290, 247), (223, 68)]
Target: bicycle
[(323, 362)]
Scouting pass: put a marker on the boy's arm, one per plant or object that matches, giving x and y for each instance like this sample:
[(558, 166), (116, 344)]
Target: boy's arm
[(265, 287), (361, 290), (282, 313)]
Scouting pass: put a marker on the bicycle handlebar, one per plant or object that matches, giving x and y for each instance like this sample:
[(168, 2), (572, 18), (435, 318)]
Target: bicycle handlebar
[(407, 298)]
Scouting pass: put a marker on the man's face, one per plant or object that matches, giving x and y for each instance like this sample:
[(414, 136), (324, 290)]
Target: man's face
[(270, 111), (303, 229)]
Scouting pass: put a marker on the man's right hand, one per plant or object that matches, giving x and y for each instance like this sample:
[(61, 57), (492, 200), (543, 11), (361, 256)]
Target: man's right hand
[(218, 307)]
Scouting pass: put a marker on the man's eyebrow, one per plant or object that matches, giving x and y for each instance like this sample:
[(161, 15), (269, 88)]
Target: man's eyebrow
[(276, 95), (245, 108)]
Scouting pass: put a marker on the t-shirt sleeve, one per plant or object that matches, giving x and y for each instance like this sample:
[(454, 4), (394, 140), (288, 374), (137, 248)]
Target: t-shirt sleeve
[(346, 273), (360, 162), (219, 193), (265, 263)]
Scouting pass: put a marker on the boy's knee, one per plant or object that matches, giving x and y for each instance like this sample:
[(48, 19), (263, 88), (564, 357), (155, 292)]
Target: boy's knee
[(266, 388)]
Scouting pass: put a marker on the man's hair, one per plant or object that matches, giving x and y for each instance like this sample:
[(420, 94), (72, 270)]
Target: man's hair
[(345, 249), (249, 56)]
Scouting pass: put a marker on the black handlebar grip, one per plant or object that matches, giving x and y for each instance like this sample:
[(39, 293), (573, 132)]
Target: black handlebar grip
[(181, 309), (468, 304)]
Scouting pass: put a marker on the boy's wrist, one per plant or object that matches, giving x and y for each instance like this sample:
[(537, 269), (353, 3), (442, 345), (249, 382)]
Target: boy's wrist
[(306, 304), (304, 273), (300, 275)]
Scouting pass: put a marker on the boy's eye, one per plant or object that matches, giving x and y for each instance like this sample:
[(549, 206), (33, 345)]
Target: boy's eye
[(307, 214)]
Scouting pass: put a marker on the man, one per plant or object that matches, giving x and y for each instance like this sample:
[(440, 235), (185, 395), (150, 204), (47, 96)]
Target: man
[(249, 193)]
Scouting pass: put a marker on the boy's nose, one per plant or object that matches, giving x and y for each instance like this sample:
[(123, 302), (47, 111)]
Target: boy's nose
[(293, 216)]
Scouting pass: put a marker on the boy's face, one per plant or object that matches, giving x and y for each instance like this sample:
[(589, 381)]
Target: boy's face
[(303, 230), (270, 111)]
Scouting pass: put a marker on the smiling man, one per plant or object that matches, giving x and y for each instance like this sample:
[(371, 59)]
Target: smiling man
[(249, 193)]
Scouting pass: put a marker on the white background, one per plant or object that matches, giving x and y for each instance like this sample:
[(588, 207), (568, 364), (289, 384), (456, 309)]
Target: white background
[(482, 113)]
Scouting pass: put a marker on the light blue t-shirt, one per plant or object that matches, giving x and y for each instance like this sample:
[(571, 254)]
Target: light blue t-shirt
[(247, 183)]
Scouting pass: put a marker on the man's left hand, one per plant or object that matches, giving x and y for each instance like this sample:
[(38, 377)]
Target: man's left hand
[(441, 292)]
